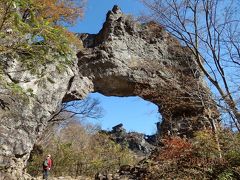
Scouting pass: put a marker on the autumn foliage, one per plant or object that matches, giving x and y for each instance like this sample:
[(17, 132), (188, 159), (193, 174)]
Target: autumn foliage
[(79, 150), (175, 147), (39, 21), (62, 11), (34, 29), (197, 158)]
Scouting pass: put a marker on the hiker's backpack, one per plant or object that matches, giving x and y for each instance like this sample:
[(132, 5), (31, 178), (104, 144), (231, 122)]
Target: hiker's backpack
[(45, 163)]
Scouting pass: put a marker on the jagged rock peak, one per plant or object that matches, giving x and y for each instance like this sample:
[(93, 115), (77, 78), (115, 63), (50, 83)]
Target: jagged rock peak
[(118, 25), (116, 9)]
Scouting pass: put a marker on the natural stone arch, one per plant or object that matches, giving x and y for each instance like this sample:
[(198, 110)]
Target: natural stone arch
[(124, 59), (129, 59)]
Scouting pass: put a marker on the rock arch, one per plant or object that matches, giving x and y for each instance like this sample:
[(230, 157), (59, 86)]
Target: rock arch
[(129, 59), (124, 59)]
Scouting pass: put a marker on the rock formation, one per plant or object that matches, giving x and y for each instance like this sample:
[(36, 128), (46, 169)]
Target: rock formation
[(130, 59), (142, 145), (124, 59)]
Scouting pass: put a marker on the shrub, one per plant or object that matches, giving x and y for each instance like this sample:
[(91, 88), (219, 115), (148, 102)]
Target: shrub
[(175, 148)]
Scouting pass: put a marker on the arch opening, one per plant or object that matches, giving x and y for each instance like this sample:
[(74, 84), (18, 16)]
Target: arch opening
[(135, 113), (95, 135)]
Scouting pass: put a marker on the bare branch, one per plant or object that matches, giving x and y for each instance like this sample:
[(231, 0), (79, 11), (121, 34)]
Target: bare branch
[(210, 29)]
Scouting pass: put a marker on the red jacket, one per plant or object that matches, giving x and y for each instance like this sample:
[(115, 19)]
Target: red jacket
[(49, 164)]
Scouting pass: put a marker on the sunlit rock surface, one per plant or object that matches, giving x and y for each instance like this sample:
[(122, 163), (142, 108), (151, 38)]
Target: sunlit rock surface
[(130, 59)]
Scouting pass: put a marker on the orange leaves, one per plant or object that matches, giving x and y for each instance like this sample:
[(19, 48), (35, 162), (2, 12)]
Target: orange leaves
[(63, 11), (175, 147), (54, 16)]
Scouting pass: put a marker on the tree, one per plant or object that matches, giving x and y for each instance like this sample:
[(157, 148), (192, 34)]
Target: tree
[(34, 33), (86, 108), (39, 17), (58, 11), (211, 30), (79, 149), (68, 113), (32, 28)]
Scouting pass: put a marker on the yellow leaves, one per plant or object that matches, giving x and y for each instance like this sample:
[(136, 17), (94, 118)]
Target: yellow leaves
[(70, 37), (3, 48), (204, 135), (40, 22), (205, 144), (41, 17), (66, 11)]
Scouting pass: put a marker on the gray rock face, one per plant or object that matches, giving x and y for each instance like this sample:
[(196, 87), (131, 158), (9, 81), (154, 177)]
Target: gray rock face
[(124, 59), (139, 143), (130, 59), (23, 119)]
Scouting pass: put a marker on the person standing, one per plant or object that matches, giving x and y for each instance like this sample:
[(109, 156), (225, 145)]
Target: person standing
[(47, 165)]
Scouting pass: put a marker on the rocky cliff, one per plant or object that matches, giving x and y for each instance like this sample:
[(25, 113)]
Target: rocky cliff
[(124, 59)]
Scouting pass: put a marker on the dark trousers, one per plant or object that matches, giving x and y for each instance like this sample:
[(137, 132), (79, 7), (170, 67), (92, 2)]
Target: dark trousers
[(45, 174)]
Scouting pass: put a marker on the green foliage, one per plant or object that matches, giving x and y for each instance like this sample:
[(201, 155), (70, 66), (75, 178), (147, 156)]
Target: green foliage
[(233, 157), (36, 34), (36, 165), (230, 143), (31, 36), (226, 175), (205, 144)]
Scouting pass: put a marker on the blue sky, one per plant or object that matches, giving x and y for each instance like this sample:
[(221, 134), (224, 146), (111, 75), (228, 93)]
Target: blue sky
[(135, 113), (96, 10)]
